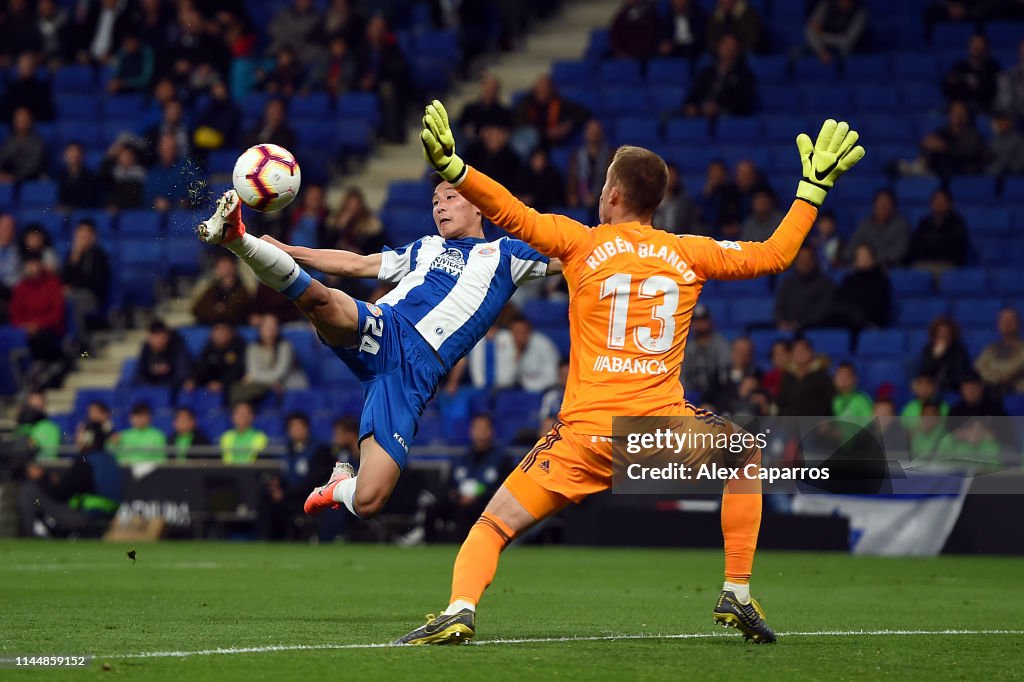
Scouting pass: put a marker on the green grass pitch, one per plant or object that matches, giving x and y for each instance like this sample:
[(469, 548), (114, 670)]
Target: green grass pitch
[(89, 598)]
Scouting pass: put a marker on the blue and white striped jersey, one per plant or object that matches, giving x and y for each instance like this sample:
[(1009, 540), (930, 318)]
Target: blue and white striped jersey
[(452, 290)]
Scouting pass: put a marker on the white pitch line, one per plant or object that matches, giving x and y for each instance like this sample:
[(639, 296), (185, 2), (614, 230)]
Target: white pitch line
[(555, 640)]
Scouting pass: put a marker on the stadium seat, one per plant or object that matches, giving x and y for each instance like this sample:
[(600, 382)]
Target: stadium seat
[(354, 137), (544, 314), (908, 282), (875, 373), (964, 282), (920, 96), (881, 343), (413, 194), (363, 105), (953, 36), (919, 312), (201, 402), (736, 130), (867, 68), (973, 188), (916, 189), (37, 194), (1013, 189), (123, 106), (813, 70), (314, 133), (886, 127), (668, 72), (821, 98), (126, 378), (157, 397), (622, 72), (84, 396), (80, 79), (6, 190), (977, 339), (140, 223), (624, 102), (752, 311), (307, 348), (1014, 404), (598, 46), (636, 130), (759, 286), (76, 106), (1007, 282), (406, 225), (977, 312), (53, 223), (195, 338), (771, 69), (566, 73), (313, 104), (987, 220), (834, 343), (665, 100)]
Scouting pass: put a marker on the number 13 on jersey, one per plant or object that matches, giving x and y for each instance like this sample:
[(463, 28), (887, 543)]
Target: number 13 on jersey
[(647, 339)]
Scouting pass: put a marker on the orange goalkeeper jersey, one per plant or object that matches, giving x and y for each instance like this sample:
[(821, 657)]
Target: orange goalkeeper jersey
[(632, 290)]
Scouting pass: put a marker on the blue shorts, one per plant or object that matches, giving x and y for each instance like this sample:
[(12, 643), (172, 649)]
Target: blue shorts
[(399, 373)]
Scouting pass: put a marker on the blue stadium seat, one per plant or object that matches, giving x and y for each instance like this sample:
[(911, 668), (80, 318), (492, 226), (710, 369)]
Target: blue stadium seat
[(907, 282), (686, 131), (875, 373), (775, 99), (573, 73), (911, 189), (1014, 404), (126, 377), (834, 343), (405, 225), (316, 133), (301, 400), (622, 72), (79, 79), (977, 339), (313, 104), (819, 98), (953, 36), (123, 106), (195, 338), (770, 69), (222, 161), (53, 223), (977, 312), (544, 314), (1013, 188), (813, 70), (140, 223), (561, 338), (214, 423), (783, 128), (668, 72), (307, 348), (973, 188), (409, 194), (988, 220), (157, 397), (618, 101), (440, 44), (6, 190), (202, 402), (636, 130), (84, 396), (598, 46), (184, 255), (919, 96), (881, 343), (760, 286), (752, 311), (362, 105), (875, 98), (1007, 282), (733, 130), (919, 312), (665, 99), (76, 106), (964, 282), (867, 68), (354, 137), (38, 194), (886, 128)]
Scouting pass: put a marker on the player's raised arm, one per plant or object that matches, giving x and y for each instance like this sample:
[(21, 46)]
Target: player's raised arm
[(834, 153), (553, 235), (332, 261)]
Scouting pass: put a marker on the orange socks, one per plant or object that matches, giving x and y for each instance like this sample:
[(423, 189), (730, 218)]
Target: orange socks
[(741, 521), (478, 559)]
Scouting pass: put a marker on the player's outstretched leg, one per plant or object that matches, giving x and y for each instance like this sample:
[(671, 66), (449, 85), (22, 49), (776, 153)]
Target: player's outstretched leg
[(363, 495)]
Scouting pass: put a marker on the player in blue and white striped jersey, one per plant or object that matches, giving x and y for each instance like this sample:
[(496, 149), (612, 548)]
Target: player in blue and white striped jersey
[(450, 289)]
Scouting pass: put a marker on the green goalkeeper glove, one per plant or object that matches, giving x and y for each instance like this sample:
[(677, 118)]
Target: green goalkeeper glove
[(439, 144), (834, 153)]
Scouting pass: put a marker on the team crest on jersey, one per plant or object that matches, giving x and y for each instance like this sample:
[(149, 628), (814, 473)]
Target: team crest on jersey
[(486, 251), (374, 310), (451, 261)]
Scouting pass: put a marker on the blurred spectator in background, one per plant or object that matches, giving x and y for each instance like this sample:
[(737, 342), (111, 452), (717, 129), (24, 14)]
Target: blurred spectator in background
[(491, 363), (826, 241), (707, 356), (43, 434), (539, 184), (185, 434), (354, 227), (719, 199), (543, 116), (77, 185), (492, 155), (197, 53), (1005, 152), (944, 358), (806, 296), (37, 308), (10, 261), (764, 217), (487, 110), (740, 19), (54, 27), (305, 462), (849, 401), (222, 362), (164, 359), (153, 21), (781, 356), (166, 184), (956, 148), (134, 64), (270, 365), (345, 441), (587, 168), (975, 401), (634, 31), (287, 78), (172, 123), (17, 32), (551, 401), (344, 20), (225, 299), (86, 272), (926, 431), (973, 80), (971, 441), (307, 219), (124, 176), (958, 11), (142, 442), (683, 30), (836, 28), (98, 33), (338, 74), (23, 154), (298, 25), (924, 390), (273, 128), (1001, 364), (536, 356), (218, 123), (35, 241), (383, 69), (1010, 89), (886, 231), (724, 392), (29, 91), (677, 212), (749, 181), (92, 433), (864, 297), (242, 444), (806, 389), (725, 88), (940, 240)]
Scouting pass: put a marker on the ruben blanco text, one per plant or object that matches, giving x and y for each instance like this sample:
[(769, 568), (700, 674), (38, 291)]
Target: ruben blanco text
[(612, 247)]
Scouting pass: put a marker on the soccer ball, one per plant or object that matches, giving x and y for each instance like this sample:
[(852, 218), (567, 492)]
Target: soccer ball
[(266, 177)]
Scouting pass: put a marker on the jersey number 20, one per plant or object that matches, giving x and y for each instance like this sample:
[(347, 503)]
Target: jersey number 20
[(617, 286)]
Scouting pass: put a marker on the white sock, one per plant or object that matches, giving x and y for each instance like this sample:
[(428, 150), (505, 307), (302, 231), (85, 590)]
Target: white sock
[(457, 606), (345, 492), (272, 266), (742, 592)]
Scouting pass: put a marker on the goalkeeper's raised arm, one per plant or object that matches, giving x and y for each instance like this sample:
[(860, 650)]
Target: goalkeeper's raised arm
[(331, 261)]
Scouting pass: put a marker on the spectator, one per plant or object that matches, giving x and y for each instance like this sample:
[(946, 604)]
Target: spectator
[(77, 185), (143, 442), (225, 299), (43, 434), (344, 21), (23, 154), (154, 23), (491, 363), (536, 356), (95, 430), (269, 365), (222, 362), (634, 31), (219, 122), (719, 200), (1001, 364), (242, 443), (925, 391), (725, 391), (958, 11), (539, 184), (383, 69), (166, 182), (805, 297), (306, 464), (10, 255), (749, 181), (891, 432), (164, 359), (55, 32), (196, 53), (944, 358), (677, 213), (836, 28), (886, 231), (345, 441), (545, 117), (706, 359), (781, 357), (300, 25), (186, 434), (493, 156), (172, 123), (975, 401), (1010, 89), (273, 128), (740, 19), (926, 432), (850, 402), (488, 110), (307, 220), (864, 298), (125, 177), (725, 88), (957, 148), (764, 217), (339, 71), (287, 78), (826, 241), (354, 227), (29, 91), (750, 400), (86, 272), (940, 240), (35, 241), (971, 441), (1005, 148), (973, 80), (551, 401), (99, 32), (587, 168), (37, 308), (806, 389), (683, 30), (133, 66)]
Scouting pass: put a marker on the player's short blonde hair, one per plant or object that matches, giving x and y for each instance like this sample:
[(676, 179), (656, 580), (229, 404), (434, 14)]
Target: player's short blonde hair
[(641, 176)]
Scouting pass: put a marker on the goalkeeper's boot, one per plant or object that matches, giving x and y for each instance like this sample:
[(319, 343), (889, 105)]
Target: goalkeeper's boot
[(226, 222), (747, 618), (322, 496), (457, 628)]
